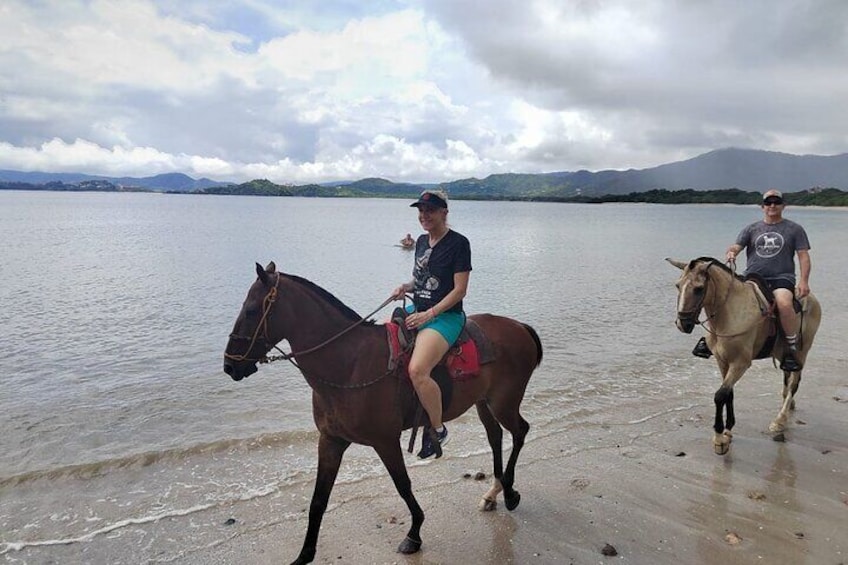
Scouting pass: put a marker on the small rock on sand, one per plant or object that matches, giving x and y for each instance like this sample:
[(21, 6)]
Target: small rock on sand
[(756, 495), (609, 550)]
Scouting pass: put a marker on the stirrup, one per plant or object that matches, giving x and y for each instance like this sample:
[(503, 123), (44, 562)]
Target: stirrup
[(701, 349), (789, 363)]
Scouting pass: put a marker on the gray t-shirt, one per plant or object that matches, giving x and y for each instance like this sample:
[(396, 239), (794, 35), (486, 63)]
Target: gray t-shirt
[(770, 248)]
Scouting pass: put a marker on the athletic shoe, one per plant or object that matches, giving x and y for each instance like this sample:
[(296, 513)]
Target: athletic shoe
[(427, 448), (701, 349)]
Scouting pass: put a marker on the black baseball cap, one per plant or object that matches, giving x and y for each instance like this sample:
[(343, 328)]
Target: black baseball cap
[(430, 199)]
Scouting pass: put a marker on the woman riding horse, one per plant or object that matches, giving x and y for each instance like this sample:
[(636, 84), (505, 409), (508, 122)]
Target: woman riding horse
[(439, 282)]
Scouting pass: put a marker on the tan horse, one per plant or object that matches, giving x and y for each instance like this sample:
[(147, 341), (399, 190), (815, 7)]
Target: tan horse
[(740, 322)]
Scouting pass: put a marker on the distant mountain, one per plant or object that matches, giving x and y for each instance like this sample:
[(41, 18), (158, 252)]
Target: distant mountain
[(171, 182), (746, 169), (743, 169)]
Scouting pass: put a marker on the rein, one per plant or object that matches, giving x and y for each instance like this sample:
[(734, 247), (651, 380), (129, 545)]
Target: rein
[(765, 312), (267, 303)]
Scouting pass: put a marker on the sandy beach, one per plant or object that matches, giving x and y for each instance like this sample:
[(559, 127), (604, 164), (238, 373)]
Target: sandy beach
[(650, 487), (658, 498)]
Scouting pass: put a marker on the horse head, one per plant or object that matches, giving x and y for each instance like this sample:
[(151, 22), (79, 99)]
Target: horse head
[(250, 340), (691, 291)]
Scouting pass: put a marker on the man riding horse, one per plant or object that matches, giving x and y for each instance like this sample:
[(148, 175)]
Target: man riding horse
[(770, 247)]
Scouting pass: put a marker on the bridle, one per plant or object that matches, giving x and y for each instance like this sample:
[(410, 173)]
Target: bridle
[(692, 315), (262, 328)]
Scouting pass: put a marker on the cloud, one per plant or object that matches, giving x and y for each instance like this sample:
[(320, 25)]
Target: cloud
[(412, 90)]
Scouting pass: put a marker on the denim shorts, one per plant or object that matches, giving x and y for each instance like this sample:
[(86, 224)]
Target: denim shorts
[(448, 324)]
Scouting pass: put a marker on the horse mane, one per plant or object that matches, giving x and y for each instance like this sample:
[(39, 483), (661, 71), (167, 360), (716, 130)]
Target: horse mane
[(715, 262), (345, 310)]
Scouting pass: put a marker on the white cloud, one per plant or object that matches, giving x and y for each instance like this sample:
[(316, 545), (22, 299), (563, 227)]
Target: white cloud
[(412, 90)]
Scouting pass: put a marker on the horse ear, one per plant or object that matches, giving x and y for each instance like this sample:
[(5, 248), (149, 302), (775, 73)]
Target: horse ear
[(679, 264), (260, 272), (271, 268)]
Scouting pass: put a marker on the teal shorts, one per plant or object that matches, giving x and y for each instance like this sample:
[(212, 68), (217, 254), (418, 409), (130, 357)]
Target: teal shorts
[(448, 324)]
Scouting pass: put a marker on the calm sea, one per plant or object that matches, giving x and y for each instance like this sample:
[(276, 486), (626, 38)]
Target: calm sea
[(115, 310)]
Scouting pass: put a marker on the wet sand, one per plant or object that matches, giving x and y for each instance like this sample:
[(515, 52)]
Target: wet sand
[(648, 485), (657, 497)]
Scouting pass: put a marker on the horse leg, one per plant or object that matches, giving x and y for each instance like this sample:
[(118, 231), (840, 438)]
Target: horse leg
[(392, 457), (721, 435), (330, 452), (786, 375), (791, 380), (510, 418), (494, 433)]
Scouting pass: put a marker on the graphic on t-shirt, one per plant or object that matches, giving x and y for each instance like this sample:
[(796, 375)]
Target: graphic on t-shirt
[(769, 244), (426, 281)]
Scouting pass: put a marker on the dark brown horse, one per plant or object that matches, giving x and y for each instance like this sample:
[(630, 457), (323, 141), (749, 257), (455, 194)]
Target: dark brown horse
[(357, 399)]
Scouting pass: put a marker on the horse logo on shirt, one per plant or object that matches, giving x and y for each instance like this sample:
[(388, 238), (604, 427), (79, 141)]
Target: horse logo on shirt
[(769, 244)]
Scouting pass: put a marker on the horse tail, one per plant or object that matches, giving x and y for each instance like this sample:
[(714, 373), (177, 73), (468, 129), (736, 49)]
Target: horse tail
[(538, 341)]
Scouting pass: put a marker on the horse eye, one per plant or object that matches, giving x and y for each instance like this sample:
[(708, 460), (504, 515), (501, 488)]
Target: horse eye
[(698, 290)]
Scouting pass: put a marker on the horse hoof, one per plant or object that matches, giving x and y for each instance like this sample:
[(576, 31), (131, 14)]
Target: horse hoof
[(409, 546), (487, 505), (304, 558), (721, 448), (512, 500)]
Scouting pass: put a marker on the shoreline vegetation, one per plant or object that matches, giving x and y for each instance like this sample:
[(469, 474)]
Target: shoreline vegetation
[(379, 188)]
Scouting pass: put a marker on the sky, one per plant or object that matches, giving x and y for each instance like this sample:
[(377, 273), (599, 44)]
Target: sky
[(418, 91)]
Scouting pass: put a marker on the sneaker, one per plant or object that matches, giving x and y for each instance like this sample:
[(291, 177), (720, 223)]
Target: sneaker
[(789, 363), (427, 448), (701, 349)]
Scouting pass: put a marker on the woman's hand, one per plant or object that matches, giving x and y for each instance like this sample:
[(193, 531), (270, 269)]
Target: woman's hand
[(399, 292), (418, 319)]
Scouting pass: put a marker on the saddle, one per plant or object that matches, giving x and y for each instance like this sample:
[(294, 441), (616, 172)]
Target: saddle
[(462, 361)]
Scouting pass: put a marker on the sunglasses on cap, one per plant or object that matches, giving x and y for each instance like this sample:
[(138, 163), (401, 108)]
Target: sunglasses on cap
[(772, 202)]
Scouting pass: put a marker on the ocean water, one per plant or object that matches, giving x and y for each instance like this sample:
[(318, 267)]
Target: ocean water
[(116, 308)]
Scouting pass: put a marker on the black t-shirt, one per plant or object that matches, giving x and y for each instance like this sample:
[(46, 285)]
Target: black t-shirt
[(435, 267)]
